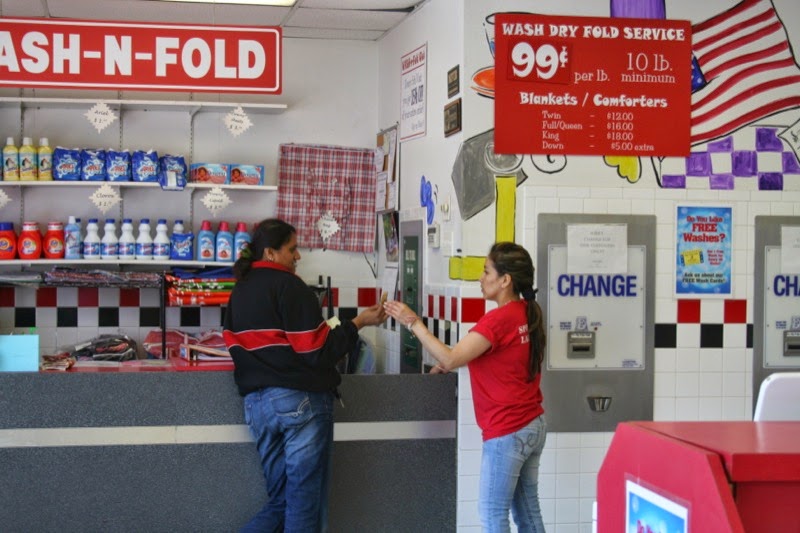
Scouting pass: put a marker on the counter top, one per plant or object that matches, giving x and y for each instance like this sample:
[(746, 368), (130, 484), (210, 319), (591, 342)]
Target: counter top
[(173, 364), (751, 451)]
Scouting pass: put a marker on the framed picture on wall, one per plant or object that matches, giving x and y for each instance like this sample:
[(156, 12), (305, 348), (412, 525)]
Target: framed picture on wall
[(453, 81)]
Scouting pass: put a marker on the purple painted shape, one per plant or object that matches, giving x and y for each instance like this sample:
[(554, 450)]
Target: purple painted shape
[(790, 163), (770, 181), (673, 181), (643, 9), (698, 164), (767, 140), (722, 145), (723, 182), (743, 162)]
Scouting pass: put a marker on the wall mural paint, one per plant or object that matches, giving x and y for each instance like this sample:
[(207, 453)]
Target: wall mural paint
[(745, 78), (743, 71)]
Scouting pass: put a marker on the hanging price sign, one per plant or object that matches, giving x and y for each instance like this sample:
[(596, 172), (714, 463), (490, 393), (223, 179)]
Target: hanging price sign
[(105, 197), (216, 201), (590, 85)]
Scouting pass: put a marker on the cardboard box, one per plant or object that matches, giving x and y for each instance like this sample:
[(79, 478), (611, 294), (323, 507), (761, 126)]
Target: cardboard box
[(218, 173), (247, 174), (19, 353)]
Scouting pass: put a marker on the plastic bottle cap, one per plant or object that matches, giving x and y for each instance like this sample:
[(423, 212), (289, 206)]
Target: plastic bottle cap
[(127, 221), (92, 221), (241, 227), (205, 226), (145, 221), (223, 226), (44, 142), (162, 220), (27, 140), (110, 221), (10, 141), (71, 220)]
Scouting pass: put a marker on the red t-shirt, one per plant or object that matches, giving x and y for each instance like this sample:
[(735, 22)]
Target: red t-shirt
[(505, 401)]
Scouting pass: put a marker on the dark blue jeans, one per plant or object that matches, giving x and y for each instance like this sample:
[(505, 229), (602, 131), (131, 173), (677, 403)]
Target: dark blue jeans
[(293, 431)]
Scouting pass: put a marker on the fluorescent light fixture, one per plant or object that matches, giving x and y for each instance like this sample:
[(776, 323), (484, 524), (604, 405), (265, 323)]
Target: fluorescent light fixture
[(280, 3)]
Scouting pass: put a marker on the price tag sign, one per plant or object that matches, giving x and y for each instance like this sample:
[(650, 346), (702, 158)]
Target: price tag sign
[(105, 197), (594, 86), (216, 201)]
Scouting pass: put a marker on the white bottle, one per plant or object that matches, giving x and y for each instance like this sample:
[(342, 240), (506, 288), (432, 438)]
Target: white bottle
[(108, 246), (161, 242), (91, 243), (144, 242), (126, 248)]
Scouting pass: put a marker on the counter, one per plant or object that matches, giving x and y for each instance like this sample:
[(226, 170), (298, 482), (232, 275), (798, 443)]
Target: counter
[(169, 451), (730, 476)]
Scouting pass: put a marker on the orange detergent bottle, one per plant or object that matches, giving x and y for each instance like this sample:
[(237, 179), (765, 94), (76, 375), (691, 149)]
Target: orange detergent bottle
[(8, 241), (54, 241), (29, 243)]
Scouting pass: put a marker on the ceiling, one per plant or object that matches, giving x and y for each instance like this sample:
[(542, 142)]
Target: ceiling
[(365, 20)]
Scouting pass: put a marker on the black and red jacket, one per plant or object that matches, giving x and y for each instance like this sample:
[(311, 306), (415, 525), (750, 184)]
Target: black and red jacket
[(277, 337)]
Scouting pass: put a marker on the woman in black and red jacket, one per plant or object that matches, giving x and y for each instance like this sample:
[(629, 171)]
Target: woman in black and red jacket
[(285, 358)]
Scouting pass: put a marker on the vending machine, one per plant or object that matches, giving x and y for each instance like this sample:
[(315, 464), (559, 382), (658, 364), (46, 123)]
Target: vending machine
[(595, 277), (776, 320)]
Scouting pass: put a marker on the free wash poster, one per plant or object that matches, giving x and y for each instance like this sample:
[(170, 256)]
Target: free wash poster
[(703, 250)]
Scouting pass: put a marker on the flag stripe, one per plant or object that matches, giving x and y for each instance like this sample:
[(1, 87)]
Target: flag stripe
[(745, 57)]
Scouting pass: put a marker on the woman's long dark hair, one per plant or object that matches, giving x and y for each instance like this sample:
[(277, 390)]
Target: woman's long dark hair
[(512, 259), (270, 233)]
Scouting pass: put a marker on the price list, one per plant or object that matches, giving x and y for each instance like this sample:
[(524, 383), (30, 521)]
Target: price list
[(594, 86)]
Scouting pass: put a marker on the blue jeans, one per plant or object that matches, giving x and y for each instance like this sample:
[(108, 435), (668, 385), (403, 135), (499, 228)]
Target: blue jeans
[(293, 431), (510, 480)]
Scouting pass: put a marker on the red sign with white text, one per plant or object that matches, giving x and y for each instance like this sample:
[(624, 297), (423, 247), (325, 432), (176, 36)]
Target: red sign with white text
[(139, 56), (590, 85)]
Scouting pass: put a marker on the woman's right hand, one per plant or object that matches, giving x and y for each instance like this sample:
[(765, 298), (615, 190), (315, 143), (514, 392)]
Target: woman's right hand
[(401, 312), (371, 316)]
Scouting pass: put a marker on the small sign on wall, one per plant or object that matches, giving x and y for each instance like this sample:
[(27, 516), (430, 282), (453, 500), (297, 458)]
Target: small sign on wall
[(452, 118), (413, 94), (703, 258)]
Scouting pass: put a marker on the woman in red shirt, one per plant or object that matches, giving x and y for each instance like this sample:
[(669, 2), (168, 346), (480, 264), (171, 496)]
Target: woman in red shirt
[(504, 353)]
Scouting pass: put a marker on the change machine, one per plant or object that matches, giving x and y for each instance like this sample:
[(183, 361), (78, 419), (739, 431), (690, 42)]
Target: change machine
[(596, 288), (411, 254), (776, 324)]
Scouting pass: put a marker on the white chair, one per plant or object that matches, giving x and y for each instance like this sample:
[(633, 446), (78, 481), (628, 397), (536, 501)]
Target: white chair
[(778, 398)]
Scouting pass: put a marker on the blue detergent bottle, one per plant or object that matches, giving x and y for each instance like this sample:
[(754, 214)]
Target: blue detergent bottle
[(206, 242), (224, 243), (241, 240)]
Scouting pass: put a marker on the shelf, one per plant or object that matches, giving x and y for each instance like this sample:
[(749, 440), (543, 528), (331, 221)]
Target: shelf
[(84, 262), (132, 184), (190, 106)]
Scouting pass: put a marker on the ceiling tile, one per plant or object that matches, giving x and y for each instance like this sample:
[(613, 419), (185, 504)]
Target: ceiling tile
[(149, 11), (344, 19), (309, 19), (317, 33)]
